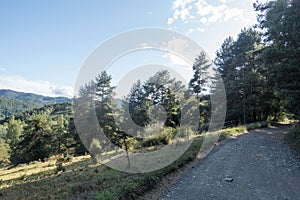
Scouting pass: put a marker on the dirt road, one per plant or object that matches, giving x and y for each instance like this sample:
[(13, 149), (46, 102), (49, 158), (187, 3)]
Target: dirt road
[(256, 165)]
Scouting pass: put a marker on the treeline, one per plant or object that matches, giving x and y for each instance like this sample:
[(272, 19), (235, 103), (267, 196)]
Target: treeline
[(261, 68), (150, 108), (39, 134)]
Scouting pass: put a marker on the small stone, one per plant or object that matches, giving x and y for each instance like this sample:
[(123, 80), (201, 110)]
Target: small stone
[(229, 179)]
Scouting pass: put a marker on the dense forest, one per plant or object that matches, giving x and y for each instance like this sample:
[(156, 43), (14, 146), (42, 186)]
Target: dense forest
[(10, 106), (260, 71), (12, 102)]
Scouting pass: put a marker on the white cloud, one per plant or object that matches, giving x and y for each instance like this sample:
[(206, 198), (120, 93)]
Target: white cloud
[(204, 10), (18, 83), (176, 14), (181, 3), (215, 18), (211, 13), (201, 30), (181, 10), (208, 12), (170, 21), (223, 1), (218, 9), (204, 20), (190, 31), (184, 14), (175, 60), (233, 13)]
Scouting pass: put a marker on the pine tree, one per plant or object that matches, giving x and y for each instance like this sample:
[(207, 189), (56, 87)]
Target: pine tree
[(200, 84), (35, 142), (104, 104), (279, 21)]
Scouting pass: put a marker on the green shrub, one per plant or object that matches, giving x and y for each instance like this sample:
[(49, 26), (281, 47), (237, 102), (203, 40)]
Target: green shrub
[(164, 137)]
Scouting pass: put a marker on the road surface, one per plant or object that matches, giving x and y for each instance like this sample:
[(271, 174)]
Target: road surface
[(255, 165)]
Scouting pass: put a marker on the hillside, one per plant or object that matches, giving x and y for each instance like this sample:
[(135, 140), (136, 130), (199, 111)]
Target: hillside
[(10, 106), (33, 97), (12, 102)]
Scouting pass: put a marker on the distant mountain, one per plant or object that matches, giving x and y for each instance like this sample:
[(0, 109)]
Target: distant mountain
[(9, 106), (33, 97), (12, 102)]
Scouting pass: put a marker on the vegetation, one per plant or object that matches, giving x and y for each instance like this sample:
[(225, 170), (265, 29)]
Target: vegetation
[(39, 99), (39, 134), (10, 106), (260, 70), (82, 177), (12, 102), (293, 138)]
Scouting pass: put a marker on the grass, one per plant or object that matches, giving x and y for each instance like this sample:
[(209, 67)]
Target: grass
[(83, 178), (243, 128)]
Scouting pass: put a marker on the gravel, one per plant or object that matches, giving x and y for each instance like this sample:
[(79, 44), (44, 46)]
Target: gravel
[(255, 165)]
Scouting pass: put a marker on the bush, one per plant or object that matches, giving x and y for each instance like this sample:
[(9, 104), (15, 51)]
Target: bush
[(163, 137)]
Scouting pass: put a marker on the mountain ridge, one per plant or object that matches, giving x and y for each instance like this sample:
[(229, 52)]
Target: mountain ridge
[(36, 98)]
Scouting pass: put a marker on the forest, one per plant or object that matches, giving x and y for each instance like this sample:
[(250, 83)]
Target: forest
[(261, 74)]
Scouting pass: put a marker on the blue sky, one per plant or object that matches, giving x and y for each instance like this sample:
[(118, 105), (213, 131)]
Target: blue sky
[(44, 43)]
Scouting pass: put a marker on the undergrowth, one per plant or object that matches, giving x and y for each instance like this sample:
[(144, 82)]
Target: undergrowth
[(293, 138)]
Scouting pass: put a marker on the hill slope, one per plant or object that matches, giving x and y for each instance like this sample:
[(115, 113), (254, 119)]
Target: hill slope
[(33, 97), (12, 102), (10, 106)]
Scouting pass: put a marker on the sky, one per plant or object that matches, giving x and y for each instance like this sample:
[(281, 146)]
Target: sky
[(43, 44)]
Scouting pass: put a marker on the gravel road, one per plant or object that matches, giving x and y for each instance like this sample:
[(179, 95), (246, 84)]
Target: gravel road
[(255, 165)]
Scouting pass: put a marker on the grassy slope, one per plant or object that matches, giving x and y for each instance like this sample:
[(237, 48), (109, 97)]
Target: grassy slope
[(84, 178)]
